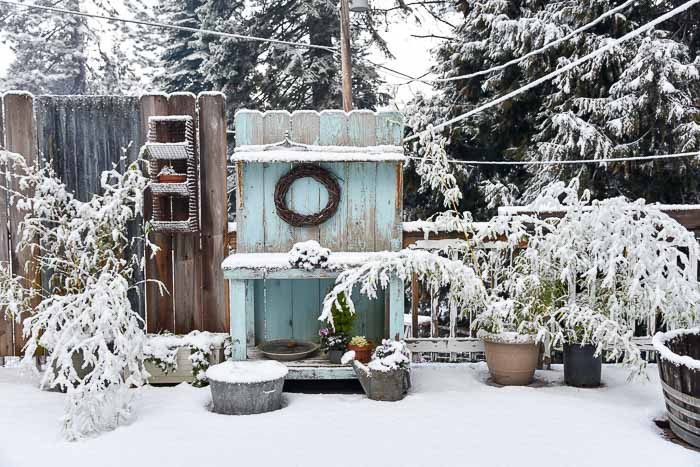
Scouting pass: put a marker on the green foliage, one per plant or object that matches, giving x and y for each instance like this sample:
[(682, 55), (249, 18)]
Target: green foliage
[(343, 317)]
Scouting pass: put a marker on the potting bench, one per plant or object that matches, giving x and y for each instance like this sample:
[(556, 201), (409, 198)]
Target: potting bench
[(269, 298)]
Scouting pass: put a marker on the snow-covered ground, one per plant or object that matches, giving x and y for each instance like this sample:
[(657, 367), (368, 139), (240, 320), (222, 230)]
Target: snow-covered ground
[(451, 418)]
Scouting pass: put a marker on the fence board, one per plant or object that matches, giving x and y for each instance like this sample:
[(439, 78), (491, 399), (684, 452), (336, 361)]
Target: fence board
[(212, 131), (159, 307), (187, 260), (20, 137), (6, 326), (82, 136)]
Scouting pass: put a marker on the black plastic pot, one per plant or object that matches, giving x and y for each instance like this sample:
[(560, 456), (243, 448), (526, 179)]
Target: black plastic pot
[(581, 368), (334, 356)]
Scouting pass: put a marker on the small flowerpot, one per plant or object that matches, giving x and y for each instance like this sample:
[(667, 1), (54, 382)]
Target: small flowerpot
[(363, 354), (172, 178), (581, 368), (334, 356), (511, 358)]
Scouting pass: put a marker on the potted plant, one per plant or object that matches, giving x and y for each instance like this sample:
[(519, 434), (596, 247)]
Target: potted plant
[(336, 336), (168, 175), (362, 348), (387, 377), (622, 265)]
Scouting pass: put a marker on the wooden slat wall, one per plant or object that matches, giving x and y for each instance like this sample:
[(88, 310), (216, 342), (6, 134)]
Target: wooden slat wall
[(82, 136), (20, 137), (368, 218)]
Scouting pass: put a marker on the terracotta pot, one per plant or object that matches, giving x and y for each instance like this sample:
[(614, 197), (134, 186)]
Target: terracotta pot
[(362, 354), (511, 364), (172, 178)]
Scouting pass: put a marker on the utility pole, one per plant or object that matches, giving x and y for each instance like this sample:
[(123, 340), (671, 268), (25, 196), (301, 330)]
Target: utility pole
[(346, 61)]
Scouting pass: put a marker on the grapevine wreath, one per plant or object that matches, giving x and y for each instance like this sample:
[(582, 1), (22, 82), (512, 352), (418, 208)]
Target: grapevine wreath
[(321, 175)]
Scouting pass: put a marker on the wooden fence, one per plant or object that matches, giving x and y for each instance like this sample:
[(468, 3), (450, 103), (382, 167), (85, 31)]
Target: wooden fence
[(81, 136)]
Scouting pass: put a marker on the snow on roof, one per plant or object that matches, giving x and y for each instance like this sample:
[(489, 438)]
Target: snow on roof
[(247, 372), (311, 153)]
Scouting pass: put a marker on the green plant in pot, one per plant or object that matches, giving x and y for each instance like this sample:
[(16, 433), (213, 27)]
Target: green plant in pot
[(512, 330), (335, 338), (622, 265)]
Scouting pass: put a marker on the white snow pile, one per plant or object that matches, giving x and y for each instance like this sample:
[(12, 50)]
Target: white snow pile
[(247, 372), (660, 343), (451, 408), (506, 337), (308, 255)]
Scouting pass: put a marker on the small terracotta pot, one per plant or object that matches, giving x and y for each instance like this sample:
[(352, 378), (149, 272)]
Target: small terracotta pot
[(172, 178), (511, 364), (362, 354)]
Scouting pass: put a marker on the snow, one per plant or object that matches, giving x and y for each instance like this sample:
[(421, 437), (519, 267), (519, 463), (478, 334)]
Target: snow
[(247, 372), (280, 261), (169, 118), (310, 153), (659, 342), (308, 255), (422, 320), (507, 337), (232, 227), (451, 414), (164, 346)]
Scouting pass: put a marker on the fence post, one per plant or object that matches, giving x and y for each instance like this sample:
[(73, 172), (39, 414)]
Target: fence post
[(159, 308), (6, 326), (214, 210), (187, 257), (20, 137)]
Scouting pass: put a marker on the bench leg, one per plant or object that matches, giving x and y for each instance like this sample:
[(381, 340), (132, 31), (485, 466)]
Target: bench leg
[(396, 307), (241, 309)]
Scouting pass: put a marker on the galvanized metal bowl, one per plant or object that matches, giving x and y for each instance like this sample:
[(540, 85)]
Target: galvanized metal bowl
[(287, 350)]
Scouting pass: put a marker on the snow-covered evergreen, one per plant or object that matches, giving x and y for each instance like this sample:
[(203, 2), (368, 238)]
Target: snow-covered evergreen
[(638, 99), (64, 54)]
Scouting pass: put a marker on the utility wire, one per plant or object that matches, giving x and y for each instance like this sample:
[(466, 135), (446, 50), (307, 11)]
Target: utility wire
[(209, 32), (568, 162), (630, 35), (168, 26), (532, 53)]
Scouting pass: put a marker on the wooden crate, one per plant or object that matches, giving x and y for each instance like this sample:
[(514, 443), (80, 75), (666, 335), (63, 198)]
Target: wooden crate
[(183, 373)]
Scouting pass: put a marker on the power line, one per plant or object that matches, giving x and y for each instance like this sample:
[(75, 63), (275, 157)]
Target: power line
[(569, 162), (630, 35), (532, 53), (167, 26)]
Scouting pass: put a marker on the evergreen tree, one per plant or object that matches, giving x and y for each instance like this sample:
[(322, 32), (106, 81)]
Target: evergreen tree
[(262, 75), (638, 99), (184, 52), (66, 54)]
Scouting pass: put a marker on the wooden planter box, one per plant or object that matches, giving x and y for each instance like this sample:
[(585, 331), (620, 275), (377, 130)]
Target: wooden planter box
[(184, 371)]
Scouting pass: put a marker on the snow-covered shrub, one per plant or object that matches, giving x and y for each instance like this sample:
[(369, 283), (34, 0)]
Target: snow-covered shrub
[(606, 268), (82, 318), (466, 292), (391, 355), (308, 255), (337, 335)]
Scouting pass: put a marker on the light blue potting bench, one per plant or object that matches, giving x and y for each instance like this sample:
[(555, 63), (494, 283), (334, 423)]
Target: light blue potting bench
[(271, 300)]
